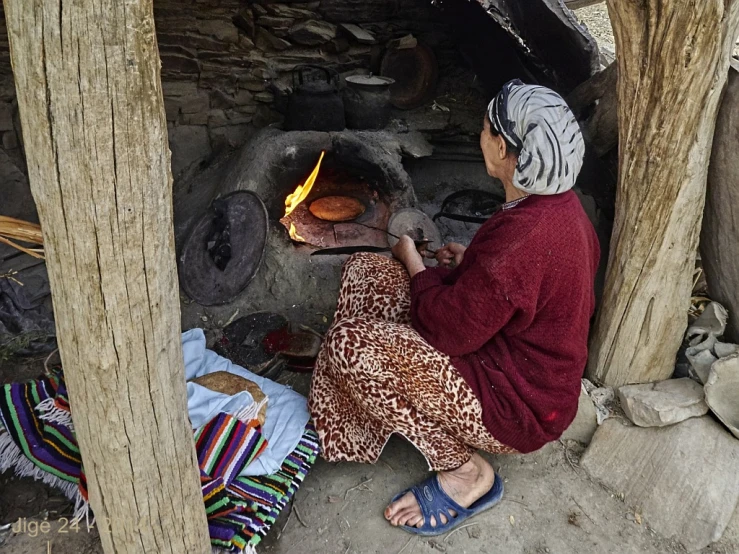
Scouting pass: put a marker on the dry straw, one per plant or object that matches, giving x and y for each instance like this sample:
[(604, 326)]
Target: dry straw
[(12, 230)]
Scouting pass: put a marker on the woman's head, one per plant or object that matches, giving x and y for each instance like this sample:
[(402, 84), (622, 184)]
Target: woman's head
[(500, 157), (532, 139)]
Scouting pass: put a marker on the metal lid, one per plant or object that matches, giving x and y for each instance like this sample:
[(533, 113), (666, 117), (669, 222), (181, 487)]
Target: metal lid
[(370, 80)]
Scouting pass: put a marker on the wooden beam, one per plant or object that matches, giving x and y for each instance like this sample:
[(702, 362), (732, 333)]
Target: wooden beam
[(671, 74), (576, 4), (95, 133)]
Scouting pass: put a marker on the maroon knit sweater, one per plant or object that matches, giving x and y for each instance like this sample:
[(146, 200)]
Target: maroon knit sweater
[(514, 316)]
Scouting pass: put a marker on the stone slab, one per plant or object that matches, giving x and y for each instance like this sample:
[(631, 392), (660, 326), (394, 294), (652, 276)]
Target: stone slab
[(664, 403), (683, 478), (312, 32), (265, 40), (722, 391), (359, 34)]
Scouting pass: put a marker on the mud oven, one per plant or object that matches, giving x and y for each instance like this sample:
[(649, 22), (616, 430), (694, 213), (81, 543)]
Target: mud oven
[(287, 196)]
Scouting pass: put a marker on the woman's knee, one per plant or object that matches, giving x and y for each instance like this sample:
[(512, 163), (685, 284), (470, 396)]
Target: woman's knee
[(346, 339)]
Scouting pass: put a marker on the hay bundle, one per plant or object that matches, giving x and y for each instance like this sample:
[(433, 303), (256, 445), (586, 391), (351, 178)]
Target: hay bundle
[(12, 230)]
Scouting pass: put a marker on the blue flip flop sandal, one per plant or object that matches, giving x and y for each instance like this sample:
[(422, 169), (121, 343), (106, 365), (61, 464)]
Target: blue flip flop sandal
[(434, 501)]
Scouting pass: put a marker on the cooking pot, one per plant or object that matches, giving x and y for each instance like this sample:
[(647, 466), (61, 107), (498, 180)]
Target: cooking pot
[(315, 103), (367, 101)]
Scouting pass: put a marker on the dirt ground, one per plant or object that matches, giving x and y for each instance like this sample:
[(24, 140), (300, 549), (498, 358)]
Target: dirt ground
[(550, 506), (598, 23)]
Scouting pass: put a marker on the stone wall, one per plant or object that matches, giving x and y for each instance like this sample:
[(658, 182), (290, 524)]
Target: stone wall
[(219, 58)]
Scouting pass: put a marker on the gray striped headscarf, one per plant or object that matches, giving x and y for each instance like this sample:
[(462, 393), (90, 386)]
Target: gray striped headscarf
[(539, 125)]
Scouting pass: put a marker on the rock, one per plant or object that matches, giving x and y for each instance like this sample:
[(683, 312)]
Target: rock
[(194, 119), (276, 22), (722, 392), (338, 46), (266, 97), (265, 40), (724, 350), (313, 33), (664, 403), (711, 323), (359, 34), (221, 29), (357, 11), (179, 88), (585, 423), (244, 20), (246, 43), (415, 145), (177, 63), (281, 10), (684, 478), (199, 102), (253, 85), (701, 362), (403, 43)]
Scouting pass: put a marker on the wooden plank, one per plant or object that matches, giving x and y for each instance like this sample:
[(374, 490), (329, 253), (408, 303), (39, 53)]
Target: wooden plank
[(95, 133)]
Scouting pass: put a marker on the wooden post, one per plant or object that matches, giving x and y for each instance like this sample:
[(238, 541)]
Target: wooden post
[(95, 134), (673, 59), (576, 4)]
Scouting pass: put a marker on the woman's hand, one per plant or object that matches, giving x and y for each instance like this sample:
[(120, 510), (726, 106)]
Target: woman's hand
[(450, 252), (407, 254)]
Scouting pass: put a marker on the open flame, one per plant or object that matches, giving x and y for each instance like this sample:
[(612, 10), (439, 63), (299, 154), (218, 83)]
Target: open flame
[(301, 193), (294, 233)]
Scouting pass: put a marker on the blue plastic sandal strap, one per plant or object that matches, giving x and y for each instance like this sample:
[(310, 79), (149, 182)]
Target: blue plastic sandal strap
[(435, 502)]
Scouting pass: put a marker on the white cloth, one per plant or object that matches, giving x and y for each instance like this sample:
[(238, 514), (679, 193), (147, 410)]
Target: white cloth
[(287, 411)]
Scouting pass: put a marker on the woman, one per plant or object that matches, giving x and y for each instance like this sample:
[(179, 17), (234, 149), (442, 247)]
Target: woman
[(485, 356)]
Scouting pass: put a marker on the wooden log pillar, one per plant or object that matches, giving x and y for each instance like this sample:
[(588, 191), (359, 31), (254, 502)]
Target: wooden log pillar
[(95, 134), (673, 58)]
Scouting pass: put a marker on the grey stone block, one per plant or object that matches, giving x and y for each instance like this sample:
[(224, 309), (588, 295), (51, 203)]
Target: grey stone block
[(664, 403), (684, 478)]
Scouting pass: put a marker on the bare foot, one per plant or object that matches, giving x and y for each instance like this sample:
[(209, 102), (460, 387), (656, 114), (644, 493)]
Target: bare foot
[(464, 485)]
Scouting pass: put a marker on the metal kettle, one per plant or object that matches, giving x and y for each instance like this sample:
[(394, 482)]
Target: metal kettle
[(315, 103)]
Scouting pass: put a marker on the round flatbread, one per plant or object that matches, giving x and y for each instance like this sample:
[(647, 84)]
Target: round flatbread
[(337, 208), (230, 384)]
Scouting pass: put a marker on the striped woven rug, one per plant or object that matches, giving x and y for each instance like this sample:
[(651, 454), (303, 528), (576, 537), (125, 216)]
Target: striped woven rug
[(37, 440)]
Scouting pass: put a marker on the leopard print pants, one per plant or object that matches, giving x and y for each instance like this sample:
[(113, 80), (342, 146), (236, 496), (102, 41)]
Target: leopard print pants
[(376, 376)]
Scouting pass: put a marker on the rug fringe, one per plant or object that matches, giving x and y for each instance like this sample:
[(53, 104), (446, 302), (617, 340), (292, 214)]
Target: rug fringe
[(12, 457), (48, 411), (249, 549), (251, 412)]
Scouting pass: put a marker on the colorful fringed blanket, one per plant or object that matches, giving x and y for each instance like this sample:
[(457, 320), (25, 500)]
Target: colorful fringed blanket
[(37, 440)]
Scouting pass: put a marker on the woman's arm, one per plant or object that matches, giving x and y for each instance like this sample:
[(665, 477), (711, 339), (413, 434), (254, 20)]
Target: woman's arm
[(459, 319), (407, 254)]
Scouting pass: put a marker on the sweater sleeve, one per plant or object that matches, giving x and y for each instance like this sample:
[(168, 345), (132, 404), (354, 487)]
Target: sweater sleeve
[(458, 319)]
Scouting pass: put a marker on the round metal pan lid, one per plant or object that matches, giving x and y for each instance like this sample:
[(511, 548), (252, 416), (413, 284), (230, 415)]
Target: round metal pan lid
[(248, 224)]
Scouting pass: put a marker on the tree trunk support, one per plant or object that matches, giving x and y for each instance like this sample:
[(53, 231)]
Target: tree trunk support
[(673, 58), (95, 133)]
